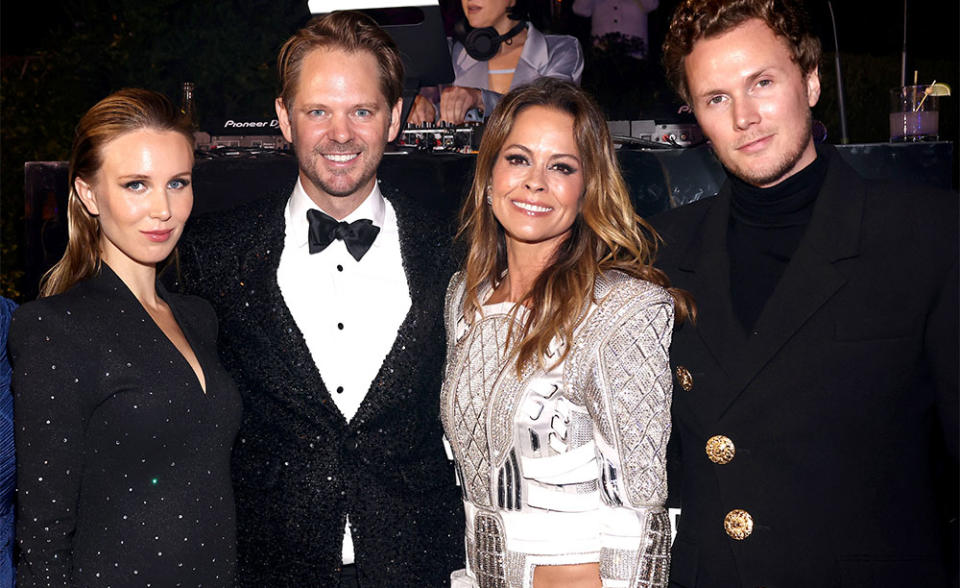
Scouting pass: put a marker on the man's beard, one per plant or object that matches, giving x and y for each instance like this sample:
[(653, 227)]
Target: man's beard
[(790, 158), (309, 166)]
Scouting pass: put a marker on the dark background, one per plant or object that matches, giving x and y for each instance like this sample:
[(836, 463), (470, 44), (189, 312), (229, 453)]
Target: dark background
[(59, 58)]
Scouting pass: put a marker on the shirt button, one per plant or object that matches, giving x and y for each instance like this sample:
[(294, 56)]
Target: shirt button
[(339, 389), (339, 268), (340, 326)]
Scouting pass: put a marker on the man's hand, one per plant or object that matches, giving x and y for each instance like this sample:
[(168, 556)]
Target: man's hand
[(422, 111), (455, 101)]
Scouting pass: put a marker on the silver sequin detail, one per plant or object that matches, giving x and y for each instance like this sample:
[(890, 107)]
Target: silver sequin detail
[(489, 545), (580, 430), (617, 564), (618, 381), (502, 410), (631, 331), (473, 364), (653, 569), (516, 564)]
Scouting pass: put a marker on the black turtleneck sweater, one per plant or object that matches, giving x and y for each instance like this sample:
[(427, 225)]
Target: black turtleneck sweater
[(766, 225)]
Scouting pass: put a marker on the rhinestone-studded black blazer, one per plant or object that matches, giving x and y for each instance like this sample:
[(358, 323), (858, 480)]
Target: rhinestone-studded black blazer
[(299, 467), (123, 459)]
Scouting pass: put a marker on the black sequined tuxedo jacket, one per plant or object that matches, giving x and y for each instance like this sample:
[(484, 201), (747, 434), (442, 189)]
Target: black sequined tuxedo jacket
[(834, 421), (299, 467)]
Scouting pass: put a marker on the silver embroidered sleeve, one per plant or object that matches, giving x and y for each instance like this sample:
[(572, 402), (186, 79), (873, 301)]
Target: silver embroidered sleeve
[(453, 302), (648, 566), (635, 390)]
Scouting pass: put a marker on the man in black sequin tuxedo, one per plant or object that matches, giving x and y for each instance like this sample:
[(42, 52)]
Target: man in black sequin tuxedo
[(815, 416), (330, 295)]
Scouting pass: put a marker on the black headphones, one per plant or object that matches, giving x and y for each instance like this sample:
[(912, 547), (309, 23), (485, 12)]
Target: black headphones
[(482, 44)]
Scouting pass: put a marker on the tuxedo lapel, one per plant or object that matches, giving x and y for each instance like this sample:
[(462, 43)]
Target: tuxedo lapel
[(281, 342), (420, 250)]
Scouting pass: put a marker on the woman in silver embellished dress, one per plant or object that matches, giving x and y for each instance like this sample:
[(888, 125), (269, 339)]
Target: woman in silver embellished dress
[(556, 398)]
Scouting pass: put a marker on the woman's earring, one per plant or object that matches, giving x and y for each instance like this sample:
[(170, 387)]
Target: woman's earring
[(489, 195)]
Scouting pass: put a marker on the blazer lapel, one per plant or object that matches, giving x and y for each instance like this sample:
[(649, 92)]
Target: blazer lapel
[(282, 344), (707, 260), (811, 278)]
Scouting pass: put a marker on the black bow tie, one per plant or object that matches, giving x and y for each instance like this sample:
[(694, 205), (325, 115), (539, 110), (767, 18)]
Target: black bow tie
[(358, 236)]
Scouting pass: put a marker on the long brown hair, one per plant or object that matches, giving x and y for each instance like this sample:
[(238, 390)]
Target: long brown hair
[(124, 111), (606, 235)]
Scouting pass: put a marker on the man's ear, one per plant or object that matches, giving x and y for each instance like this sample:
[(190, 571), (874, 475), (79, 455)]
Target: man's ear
[(813, 86), (87, 197), (284, 119), (395, 120)]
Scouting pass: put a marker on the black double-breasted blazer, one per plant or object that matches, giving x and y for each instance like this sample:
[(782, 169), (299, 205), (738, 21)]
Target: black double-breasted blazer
[(299, 467), (825, 439)]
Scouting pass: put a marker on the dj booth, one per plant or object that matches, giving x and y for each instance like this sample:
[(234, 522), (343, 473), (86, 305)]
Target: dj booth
[(658, 179)]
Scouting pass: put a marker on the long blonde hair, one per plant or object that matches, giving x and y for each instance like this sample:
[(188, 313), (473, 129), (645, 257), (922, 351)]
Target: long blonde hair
[(124, 111), (606, 235)]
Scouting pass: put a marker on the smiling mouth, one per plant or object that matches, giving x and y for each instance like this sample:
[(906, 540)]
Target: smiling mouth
[(340, 157), (530, 207)]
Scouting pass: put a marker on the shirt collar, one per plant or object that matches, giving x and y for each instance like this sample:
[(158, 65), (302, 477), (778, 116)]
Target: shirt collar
[(535, 50), (373, 207)]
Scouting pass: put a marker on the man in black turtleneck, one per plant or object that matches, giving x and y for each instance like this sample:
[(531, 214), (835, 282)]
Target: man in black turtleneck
[(815, 411)]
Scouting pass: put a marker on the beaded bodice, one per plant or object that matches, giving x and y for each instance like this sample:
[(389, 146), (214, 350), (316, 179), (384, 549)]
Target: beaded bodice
[(563, 442)]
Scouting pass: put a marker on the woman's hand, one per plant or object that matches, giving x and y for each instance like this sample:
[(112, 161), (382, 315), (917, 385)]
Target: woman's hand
[(455, 101), (422, 111)]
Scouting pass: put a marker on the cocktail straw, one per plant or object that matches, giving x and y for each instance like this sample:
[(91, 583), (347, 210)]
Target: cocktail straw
[(926, 92)]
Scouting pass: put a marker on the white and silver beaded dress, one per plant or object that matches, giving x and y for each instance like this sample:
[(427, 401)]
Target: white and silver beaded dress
[(563, 465)]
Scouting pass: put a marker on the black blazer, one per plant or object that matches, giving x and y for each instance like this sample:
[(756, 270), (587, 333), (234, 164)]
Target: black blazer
[(841, 403), (123, 461), (299, 468)]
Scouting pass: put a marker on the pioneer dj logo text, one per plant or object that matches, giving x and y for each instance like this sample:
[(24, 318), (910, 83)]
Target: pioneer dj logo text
[(253, 124)]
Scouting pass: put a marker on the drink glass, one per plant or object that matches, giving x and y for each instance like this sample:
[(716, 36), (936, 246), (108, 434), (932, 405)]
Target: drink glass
[(914, 115)]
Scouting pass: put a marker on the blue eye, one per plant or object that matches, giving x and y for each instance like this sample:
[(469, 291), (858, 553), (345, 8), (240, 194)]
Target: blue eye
[(135, 185), (316, 112), (363, 113), (178, 184)]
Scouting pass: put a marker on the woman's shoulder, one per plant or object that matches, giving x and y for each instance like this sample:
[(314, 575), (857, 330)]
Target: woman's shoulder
[(64, 307), (456, 289), (55, 319), (87, 301), (556, 42), (618, 287)]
